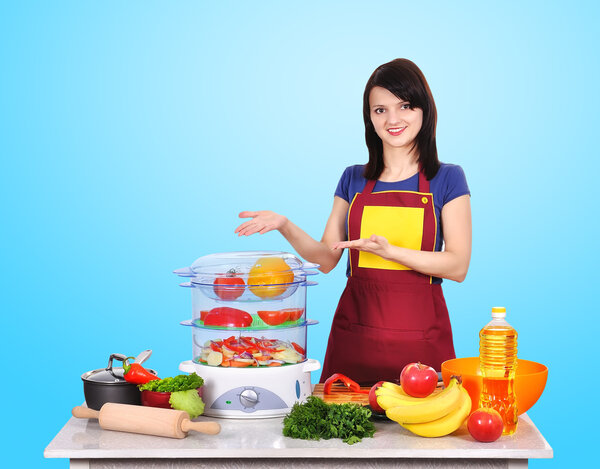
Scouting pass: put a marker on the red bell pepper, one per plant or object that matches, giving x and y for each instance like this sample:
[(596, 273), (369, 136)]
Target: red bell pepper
[(299, 348), (232, 344), (225, 316), (250, 345), (351, 385), (136, 373), (216, 345)]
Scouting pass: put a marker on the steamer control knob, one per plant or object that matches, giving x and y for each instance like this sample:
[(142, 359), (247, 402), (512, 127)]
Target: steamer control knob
[(248, 398)]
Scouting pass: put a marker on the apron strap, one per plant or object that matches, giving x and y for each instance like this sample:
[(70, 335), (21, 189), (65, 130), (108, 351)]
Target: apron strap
[(423, 183), (369, 186)]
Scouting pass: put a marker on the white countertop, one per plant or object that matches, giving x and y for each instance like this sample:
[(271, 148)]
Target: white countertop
[(263, 438)]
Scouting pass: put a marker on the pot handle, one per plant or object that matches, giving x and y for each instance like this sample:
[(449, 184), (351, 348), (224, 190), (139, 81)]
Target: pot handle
[(311, 365), (186, 284), (187, 366), (310, 265), (142, 357), (117, 356), (310, 283)]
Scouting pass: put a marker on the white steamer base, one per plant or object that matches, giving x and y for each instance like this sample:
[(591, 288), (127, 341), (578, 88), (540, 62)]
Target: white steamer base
[(253, 392)]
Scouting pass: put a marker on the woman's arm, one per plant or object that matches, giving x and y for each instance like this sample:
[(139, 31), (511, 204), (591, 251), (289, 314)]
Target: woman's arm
[(319, 252), (451, 263)]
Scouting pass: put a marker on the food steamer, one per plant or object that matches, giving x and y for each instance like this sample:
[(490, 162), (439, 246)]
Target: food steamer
[(249, 331)]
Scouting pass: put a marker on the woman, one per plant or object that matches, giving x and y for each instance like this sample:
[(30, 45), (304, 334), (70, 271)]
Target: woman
[(393, 214)]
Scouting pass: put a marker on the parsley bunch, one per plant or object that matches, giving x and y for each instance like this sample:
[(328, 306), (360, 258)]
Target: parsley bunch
[(315, 419)]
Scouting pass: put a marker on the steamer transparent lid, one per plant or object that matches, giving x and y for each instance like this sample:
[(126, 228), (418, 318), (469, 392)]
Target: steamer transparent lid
[(241, 262), (248, 275)]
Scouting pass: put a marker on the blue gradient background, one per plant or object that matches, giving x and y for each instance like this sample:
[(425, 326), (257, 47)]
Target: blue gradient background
[(133, 133)]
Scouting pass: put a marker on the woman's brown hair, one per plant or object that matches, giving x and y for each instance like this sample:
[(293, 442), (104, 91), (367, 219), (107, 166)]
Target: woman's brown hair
[(406, 81)]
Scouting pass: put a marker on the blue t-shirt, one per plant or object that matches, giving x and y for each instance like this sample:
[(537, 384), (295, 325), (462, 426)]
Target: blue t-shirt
[(448, 184)]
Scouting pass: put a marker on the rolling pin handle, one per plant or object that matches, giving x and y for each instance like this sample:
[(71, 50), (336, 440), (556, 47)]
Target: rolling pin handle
[(210, 428), (85, 412)]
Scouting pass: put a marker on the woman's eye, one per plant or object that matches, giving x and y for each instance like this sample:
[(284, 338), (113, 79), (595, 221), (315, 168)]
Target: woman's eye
[(379, 110), (405, 106)]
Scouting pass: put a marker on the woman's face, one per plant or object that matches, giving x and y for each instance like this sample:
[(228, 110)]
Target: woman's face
[(396, 124)]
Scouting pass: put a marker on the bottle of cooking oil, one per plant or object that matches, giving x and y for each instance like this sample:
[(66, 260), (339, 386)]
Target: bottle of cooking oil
[(498, 363)]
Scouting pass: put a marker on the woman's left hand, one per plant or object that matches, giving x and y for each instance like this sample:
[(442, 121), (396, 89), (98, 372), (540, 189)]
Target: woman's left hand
[(375, 245)]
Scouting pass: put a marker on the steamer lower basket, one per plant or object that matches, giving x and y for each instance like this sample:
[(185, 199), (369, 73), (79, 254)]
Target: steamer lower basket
[(250, 393)]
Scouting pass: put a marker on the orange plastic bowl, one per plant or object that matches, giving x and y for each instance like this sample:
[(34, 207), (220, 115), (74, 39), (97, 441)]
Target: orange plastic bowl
[(530, 380)]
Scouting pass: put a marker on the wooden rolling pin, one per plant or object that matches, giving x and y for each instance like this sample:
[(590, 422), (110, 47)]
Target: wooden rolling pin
[(147, 420)]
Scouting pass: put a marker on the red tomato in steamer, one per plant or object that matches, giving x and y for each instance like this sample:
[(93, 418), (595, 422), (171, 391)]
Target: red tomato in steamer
[(295, 313), (418, 380), (229, 288), (485, 425), (274, 318)]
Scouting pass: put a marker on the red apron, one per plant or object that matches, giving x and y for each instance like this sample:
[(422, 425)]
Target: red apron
[(389, 315)]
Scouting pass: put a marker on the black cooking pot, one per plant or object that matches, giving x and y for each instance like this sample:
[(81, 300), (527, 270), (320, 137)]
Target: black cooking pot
[(108, 385)]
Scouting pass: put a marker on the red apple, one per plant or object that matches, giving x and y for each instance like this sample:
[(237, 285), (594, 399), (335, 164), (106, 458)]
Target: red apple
[(418, 380), (485, 425), (373, 399)]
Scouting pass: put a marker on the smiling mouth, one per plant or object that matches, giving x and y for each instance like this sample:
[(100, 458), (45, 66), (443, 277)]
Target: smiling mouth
[(395, 131)]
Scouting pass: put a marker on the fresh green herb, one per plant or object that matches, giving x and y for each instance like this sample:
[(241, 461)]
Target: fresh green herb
[(188, 401), (178, 383), (315, 419)]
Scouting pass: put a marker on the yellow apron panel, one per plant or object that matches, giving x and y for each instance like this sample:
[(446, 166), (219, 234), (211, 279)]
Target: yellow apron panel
[(401, 226)]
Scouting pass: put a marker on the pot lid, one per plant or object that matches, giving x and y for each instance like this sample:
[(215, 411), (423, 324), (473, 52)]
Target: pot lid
[(108, 375), (239, 263)]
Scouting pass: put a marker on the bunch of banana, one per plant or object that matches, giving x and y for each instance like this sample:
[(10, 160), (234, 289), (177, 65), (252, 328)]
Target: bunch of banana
[(438, 414)]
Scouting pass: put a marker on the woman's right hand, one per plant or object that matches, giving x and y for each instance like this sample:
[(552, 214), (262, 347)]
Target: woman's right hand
[(262, 222)]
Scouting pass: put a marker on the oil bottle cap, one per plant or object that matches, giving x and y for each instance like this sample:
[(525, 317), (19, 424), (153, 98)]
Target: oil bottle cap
[(498, 312)]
